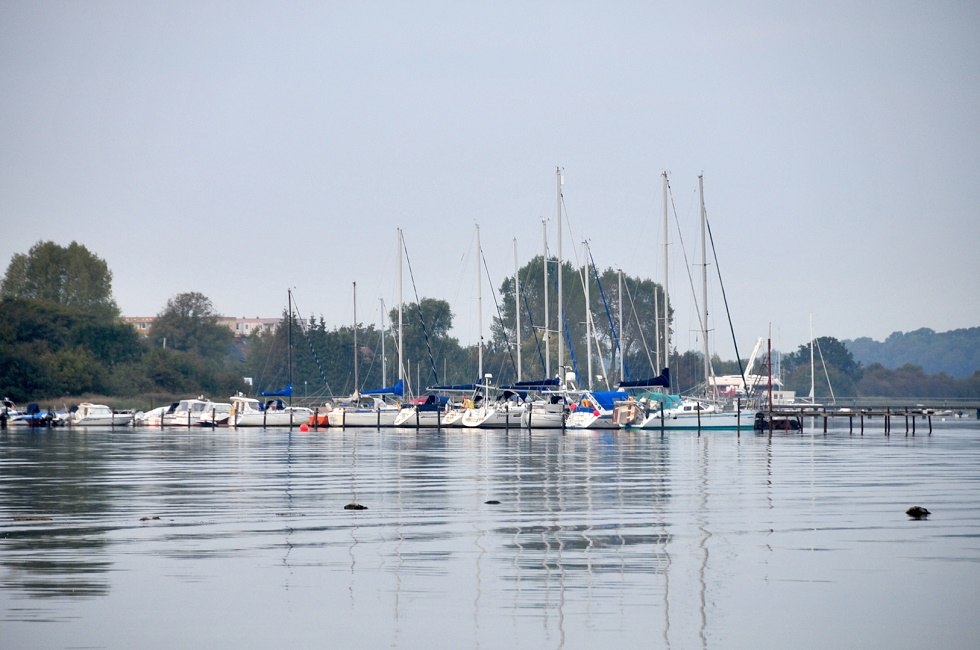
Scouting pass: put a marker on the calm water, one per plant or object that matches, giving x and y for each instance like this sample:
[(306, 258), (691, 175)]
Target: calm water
[(625, 539)]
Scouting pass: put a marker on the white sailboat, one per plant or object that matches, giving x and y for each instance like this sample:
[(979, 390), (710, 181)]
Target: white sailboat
[(670, 412), (273, 412), (372, 408)]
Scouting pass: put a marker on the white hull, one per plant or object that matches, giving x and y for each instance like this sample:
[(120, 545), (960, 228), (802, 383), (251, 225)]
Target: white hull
[(409, 417), (543, 416), (98, 415), (116, 420), (496, 417), (342, 417), (585, 419), (293, 416)]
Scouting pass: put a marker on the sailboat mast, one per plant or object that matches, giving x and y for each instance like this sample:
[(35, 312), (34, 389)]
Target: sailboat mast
[(547, 319), (517, 310), (357, 382), (479, 302), (812, 381), (588, 315), (289, 345), (666, 313), (401, 302), (622, 358), (704, 286), (561, 312), (384, 360)]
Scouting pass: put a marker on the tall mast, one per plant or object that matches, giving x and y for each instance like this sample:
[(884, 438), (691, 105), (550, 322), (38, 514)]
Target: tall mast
[(517, 310), (812, 392), (561, 311), (401, 302), (547, 320), (357, 381), (479, 302), (666, 314), (622, 360), (289, 345), (704, 286), (384, 361), (588, 315)]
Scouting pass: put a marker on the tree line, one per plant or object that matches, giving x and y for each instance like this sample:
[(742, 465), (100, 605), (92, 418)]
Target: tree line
[(61, 335)]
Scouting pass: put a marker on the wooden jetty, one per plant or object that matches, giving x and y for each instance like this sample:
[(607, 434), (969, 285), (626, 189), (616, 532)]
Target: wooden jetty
[(893, 417)]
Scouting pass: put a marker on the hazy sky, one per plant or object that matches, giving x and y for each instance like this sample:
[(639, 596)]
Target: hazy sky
[(240, 148)]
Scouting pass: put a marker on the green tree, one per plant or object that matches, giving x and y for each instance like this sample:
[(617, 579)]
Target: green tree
[(190, 324), (71, 276), (635, 337), (834, 369), (430, 353)]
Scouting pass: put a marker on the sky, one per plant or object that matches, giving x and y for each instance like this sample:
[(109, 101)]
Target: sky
[(240, 149)]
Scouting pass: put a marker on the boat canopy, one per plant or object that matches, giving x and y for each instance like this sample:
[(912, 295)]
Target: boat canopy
[(535, 385), (397, 389), (283, 392), (607, 399), (662, 380)]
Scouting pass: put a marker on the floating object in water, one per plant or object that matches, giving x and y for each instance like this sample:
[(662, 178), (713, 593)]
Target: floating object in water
[(154, 518), (492, 502), (917, 512), (304, 427), (355, 506)]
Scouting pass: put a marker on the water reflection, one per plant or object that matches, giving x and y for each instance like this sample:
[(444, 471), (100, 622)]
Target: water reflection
[(626, 538)]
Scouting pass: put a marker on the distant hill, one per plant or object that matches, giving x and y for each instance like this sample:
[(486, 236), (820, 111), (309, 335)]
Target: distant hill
[(956, 353)]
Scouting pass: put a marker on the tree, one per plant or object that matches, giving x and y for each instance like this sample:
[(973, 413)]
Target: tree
[(190, 324), (833, 361), (643, 306), (425, 334), (72, 276)]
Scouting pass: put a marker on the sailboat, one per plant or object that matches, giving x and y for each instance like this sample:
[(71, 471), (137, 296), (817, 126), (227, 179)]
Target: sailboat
[(273, 411), (370, 408), (665, 411)]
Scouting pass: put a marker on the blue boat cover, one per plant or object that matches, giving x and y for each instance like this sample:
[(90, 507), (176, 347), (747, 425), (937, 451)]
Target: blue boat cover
[(397, 389), (662, 380), (284, 392), (607, 399)]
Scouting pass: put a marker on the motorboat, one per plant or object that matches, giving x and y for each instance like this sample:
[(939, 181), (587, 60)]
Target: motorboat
[(98, 415), (250, 412), (215, 414), (187, 412), (363, 410)]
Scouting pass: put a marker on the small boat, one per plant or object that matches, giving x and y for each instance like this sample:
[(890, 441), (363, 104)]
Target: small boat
[(35, 416), (428, 411), (250, 412), (765, 421), (549, 409), (504, 412), (215, 414), (98, 415), (187, 412), (368, 409), (595, 410), (8, 411), (154, 417)]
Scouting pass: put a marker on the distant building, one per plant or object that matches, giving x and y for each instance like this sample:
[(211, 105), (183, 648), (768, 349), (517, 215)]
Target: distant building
[(244, 327), (240, 327)]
